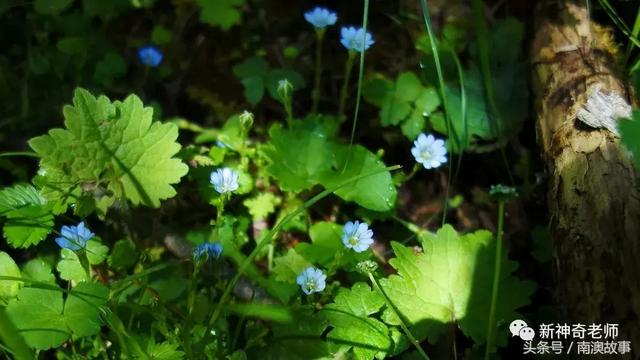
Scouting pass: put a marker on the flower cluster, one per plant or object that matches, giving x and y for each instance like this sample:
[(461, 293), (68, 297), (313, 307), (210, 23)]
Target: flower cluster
[(429, 151), (352, 38), (224, 180), (74, 237)]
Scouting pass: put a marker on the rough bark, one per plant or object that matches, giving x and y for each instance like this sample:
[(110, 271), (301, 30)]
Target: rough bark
[(593, 194)]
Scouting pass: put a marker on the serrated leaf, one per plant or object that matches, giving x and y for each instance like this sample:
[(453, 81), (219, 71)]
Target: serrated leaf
[(8, 267), (96, 251), (70, 267), (452, 281), (28, 217), (349, 315), (39, 270), (288, 267), (164, 351), (262, 205), (114, 142)]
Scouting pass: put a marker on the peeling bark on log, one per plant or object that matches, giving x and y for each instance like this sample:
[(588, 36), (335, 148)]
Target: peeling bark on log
[(594, 198)]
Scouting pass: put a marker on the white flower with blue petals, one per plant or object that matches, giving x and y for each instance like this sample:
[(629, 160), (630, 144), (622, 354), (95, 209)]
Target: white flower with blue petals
[(74, 237), (320, 17), (224, 180), (429, 151), (357, 236), (351, 38), (311, 280)]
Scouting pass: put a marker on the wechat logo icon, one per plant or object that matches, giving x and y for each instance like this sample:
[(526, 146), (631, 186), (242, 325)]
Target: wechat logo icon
[(520, 329)]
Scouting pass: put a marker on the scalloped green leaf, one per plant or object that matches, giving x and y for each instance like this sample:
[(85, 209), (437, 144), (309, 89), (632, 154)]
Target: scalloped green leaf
[(114, 143), (452, 281)]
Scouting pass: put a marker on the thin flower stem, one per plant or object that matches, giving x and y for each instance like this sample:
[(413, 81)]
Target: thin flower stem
[(496, 281), (365, 20), (266, 240), (345, 84), (318, 71), (392, 307), (190, 303)]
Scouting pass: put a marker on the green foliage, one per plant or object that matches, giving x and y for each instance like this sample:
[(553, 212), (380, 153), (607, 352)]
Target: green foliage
[(405, 102), (50, 320), (262, 205), (630, 131), (8, 267), (115, 145), (221, 13), (256, 76), (288, 267), (51, 7), (319, 161), (353, 327), (28, 218), (452, 281)]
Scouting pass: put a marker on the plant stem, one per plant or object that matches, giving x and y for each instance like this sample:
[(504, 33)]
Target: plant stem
[(190, 303), (345, 84), (267, 239), (496, 281), (318, 72), (392, 307), (12, 339), (365, 19)]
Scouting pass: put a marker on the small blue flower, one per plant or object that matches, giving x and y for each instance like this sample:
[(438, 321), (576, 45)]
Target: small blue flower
[(224, 180), (207, 251), (150, 55), (351, 38), (429, 151), (74, 237), (320, 17), (357, 236), (311, 280)]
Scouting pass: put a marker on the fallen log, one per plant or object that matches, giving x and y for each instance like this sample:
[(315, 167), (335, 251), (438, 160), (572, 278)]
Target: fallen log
[(593, 193)]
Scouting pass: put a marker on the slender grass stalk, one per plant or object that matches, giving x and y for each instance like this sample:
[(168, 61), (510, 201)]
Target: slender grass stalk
[(463, 111), (318, 71), (634, 32), (13, 340), (365, 20), (451, 133), (619, 22), (19, 153), (190, 304), (393, 309), (267, 239), (491, 325), (482, 34), (345, 83)]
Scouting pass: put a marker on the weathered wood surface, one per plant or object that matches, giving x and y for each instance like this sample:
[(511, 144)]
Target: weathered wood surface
[(593, 193)]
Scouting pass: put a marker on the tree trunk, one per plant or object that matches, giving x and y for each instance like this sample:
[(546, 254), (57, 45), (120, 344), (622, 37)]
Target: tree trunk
[(593, 197)]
